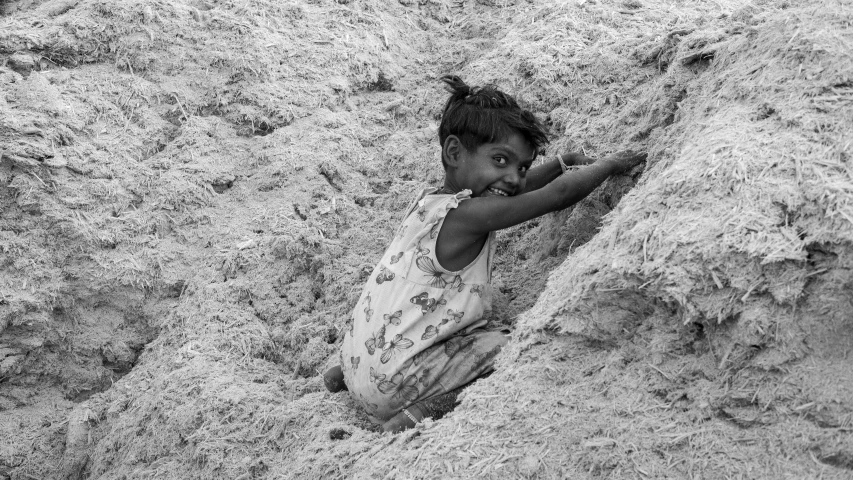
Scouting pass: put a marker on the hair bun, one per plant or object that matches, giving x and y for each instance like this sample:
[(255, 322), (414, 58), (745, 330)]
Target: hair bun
[(456, 86), (483, 114)]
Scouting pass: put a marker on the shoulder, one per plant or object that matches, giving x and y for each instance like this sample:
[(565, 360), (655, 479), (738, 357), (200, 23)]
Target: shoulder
[(432, 209), (450, 200)]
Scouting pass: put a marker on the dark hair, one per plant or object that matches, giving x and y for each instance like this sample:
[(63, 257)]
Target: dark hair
[(479, 115)]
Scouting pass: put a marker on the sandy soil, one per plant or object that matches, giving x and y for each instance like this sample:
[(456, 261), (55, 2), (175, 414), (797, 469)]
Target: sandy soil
[(193, 192)]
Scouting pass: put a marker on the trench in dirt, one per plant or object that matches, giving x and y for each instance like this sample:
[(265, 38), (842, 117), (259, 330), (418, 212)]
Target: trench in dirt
[(228, 227), (61, 348)]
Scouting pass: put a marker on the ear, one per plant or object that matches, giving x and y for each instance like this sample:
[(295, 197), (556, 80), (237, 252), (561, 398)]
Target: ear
[(451, 151)]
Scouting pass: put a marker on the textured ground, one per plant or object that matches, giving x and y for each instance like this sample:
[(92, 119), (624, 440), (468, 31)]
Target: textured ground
[(193, 192)]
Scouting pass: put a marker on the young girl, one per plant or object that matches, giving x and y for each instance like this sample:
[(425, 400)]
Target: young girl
[(418, 332)]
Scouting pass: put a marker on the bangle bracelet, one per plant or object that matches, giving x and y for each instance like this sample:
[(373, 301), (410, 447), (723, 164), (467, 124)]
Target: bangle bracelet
[(563, 165), (411, 417)]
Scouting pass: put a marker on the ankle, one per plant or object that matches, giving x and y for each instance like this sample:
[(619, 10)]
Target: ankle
[(401, 421), (416, 412)]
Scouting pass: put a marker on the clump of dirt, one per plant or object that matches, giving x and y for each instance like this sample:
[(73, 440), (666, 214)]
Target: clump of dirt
[(193, 193)]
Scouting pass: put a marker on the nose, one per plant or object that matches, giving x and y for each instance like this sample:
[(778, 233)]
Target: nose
[(513, 179)]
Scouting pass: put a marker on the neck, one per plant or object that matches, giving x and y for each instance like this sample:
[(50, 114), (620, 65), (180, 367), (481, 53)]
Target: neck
[(448, 186)]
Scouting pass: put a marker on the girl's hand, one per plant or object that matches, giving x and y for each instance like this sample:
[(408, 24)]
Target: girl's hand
[(625, 160)]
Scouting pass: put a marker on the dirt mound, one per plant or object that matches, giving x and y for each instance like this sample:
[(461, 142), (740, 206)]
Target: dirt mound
[(192, 194), (714, 303)]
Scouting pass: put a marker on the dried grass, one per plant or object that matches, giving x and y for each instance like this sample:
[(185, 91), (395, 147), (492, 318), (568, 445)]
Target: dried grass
[(746, 187), (731, 227), (174, 187), (739, 188)]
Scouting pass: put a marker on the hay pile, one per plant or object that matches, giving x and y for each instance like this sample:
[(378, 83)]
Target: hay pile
[(751, 178), (715, 277), (214, 175), (225, 175)]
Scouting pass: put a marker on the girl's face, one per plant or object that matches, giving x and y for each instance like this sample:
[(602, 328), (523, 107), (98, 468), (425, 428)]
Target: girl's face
[(493, 169)]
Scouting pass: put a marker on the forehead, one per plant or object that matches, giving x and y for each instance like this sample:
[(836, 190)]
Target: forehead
[(513, 144)]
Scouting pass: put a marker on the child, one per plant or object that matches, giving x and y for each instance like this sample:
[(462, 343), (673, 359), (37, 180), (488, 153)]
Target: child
[(417, 335)]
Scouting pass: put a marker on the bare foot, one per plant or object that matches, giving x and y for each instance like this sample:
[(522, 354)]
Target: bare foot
[(334, 379)]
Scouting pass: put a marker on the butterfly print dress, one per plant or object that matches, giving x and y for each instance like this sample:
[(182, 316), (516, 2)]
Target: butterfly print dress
[(417, 330)]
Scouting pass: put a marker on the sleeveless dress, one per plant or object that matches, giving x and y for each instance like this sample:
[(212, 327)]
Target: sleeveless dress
[(417, 330)]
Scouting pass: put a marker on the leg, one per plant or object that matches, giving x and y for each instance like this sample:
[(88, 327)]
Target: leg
[(435, 372), (435, 407), (401, 421), (439, 406), (334, 379)]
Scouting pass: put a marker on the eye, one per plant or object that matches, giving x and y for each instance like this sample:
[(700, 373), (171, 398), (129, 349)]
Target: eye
[(501, 160), (524, 168)]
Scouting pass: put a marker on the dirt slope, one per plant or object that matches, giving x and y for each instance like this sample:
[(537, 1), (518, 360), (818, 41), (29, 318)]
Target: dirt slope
[(192, 194)]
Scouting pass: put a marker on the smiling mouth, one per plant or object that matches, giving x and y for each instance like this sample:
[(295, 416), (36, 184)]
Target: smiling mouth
[(495, 191)]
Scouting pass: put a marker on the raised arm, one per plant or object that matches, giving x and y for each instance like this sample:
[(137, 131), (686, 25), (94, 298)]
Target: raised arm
[(479, 216), (545, 173), (466, 227)]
